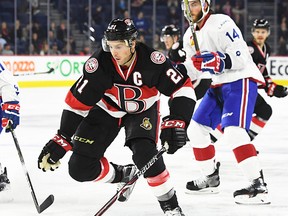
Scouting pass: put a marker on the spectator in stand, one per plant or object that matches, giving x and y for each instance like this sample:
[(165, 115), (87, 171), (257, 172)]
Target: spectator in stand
[(174, 17), (70, 47), (227, 8), (157, 45), (7, 50), (172, 3), (86, 49), (19, 31), (126, 14), (32, 50), (98, 15), (2, 42), (45, 48), (237, 12), (36, 43), (282, 46), (121, 5), (5, 32), (141, 38), (283, 32), (36, 28), (136, 6), (53, 39), (141, 23), (53, 28), (55, 50), (62, 34)]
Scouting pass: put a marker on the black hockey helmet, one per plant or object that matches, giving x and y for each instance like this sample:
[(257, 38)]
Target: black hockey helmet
[(170, 30), (260, 23), (120, 29)]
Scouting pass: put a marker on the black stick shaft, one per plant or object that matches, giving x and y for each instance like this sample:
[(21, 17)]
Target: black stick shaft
[(50, 199)]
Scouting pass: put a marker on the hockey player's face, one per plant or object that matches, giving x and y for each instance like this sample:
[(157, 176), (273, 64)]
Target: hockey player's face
[(120, 51), (195, 9), (260, 35), (168, 41)]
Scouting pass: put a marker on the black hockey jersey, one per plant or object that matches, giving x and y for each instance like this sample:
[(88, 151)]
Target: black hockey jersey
[(260, 56), (132, 90)]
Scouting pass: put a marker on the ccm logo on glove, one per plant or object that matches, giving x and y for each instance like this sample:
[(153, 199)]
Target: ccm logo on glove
[(173, 124), (10, 113), (62, 142)]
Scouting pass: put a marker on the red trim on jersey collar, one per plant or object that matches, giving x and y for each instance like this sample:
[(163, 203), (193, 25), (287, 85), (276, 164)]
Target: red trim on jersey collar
[(130, 69), (263, 52), (204, 21)]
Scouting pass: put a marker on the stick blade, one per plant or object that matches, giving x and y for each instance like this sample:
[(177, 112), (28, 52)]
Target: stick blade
[(48, 202)]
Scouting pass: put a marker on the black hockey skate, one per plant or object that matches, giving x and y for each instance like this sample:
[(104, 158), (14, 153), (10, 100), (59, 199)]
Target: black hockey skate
[(128, 173), (4, 181), (254, 194), (171, 207), (205, 184)]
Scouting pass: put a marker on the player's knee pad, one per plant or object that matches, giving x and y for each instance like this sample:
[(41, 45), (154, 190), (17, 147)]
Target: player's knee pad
[(83, 168), (236, 136), (199, 135), (143, 150)]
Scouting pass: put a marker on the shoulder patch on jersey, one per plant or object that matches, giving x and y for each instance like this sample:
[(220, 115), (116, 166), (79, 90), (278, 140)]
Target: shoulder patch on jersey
[(175, 45), (251, 49), (91, 65), (157, 57)]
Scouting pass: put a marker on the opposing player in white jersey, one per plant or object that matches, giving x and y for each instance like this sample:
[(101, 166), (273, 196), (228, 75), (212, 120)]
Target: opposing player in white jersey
[(9, 112), (229, 101)]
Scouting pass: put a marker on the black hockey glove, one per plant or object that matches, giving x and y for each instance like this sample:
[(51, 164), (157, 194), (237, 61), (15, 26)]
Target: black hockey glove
[(272, 89), (53, 151), (173, 132)]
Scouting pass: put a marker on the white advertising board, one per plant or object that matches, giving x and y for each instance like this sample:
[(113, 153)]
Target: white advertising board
[(67, 69)]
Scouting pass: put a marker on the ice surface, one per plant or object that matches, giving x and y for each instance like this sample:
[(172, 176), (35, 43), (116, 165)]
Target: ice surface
[(41, 109)]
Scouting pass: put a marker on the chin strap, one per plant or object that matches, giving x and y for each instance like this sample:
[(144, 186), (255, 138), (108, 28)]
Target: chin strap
[(132, 54)]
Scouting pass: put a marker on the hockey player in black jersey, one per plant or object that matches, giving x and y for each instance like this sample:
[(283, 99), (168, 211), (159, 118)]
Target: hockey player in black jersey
[(121, 87), (170, 36), (260, 51)]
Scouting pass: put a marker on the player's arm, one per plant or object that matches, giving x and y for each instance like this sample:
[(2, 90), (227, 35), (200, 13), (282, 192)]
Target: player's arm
[(10, 100), (82, 96), (233, 53), (56, 148), (273, 89), (182, 103)]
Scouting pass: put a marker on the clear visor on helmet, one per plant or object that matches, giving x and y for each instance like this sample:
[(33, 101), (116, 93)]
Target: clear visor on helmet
[(163, 38)]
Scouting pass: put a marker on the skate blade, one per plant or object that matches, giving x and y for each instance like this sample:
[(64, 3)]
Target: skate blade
[(210, 190), (260, 199)]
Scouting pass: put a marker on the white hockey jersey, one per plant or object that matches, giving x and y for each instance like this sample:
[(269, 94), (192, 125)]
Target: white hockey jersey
[(9, 89), (220, 33)]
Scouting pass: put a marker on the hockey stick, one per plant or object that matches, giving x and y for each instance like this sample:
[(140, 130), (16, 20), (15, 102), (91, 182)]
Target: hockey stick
[(135, 177), (53, 66), (50, 199), (191, 24)]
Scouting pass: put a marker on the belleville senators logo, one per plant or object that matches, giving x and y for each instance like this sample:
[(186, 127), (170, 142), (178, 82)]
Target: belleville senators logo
[(91, 65), (146, 124)]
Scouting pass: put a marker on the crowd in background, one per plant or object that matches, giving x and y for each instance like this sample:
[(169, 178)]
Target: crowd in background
[(168, 12)]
